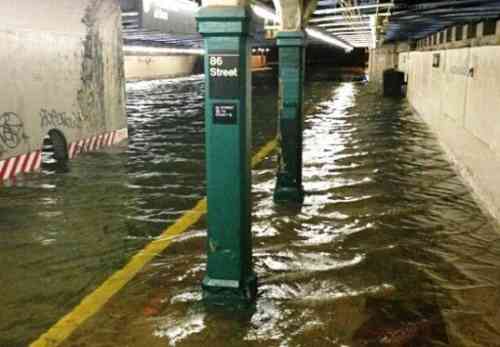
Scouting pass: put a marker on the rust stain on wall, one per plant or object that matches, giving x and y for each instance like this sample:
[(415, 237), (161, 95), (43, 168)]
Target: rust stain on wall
[(91, 94)]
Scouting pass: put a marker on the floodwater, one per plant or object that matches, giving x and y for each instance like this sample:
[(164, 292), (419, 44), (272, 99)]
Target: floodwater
[(388, 249)]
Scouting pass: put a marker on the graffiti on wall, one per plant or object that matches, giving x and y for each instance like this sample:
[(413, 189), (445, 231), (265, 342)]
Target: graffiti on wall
[(11, 131), (55, 119)]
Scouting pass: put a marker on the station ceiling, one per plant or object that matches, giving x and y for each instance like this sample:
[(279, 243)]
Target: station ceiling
[(167, 24), (361, 22), (358, 22), (416, 19)]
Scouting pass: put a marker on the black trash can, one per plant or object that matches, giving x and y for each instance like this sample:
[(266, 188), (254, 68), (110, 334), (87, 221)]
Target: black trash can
[(394, 82)]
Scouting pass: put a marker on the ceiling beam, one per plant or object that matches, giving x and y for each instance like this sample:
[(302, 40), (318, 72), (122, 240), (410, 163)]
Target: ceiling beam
[(352, 8)]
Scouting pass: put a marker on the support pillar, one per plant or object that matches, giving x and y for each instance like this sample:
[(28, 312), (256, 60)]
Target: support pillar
[(229, 278), (291, 79)]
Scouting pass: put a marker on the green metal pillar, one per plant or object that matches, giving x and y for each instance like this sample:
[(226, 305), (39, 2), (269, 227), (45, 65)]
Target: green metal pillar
[(291, 79), (229, 278)]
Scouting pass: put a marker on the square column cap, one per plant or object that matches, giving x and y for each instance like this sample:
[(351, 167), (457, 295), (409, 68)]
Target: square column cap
[(291, 39)]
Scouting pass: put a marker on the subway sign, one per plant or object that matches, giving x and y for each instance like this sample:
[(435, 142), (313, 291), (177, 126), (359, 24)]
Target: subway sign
[(225, 113), (224, 75), (170, 16)]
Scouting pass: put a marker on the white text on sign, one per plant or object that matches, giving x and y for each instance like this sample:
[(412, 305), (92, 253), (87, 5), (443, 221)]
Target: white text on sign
[(216, 70)]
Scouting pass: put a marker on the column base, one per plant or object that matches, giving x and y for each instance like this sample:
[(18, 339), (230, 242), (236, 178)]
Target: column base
[(286, 191), (230, 293)]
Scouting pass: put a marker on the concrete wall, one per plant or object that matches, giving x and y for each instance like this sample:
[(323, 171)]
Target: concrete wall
[(383, 58), (62, 68), (159, 66), (449, 38), (404, 63), (460, 100)]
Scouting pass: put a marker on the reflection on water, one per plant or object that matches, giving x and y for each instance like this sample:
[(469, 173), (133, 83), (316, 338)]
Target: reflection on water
[(389, 248)]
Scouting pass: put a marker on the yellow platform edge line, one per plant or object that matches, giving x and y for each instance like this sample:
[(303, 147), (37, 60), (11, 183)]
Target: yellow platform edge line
[(93, 302)]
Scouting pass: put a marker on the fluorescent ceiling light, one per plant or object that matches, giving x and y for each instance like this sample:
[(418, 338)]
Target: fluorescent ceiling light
[(354, 16), (328, 39), (265, 13), (342, 24), (268, 14), (346, 9), (162, 50), (353, 29), (353, 37), (171, 5), (335, 18), (348, 38), (363, 33)]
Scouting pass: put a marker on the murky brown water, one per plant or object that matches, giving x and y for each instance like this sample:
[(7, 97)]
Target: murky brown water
[(389, 248)]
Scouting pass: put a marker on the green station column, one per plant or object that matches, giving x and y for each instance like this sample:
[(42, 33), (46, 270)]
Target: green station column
[(229, 278), (291, 79)]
